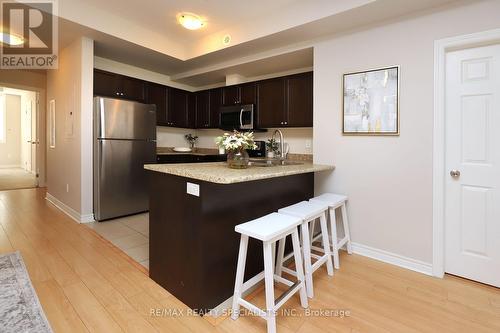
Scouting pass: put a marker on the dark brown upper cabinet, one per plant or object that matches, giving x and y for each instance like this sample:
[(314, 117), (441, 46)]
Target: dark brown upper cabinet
[(158, 95), (240, 94), (191, 114), (215, 105), (230, 95), (248, 93), (178, 107), (106, 84), (299, 100), (119, 86), (271, 103), (279, 102), (202, 109), (285, 101)]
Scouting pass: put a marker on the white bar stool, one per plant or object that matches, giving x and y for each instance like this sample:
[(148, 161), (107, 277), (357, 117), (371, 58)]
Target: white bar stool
[(307, 212), (268, 229), (334, 201)]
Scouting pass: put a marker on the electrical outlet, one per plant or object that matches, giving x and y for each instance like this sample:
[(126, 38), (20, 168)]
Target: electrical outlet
[(193, 189), (308, 144)]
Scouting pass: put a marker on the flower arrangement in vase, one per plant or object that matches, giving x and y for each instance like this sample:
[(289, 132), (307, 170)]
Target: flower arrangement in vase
[(236, 145), (191, 139)]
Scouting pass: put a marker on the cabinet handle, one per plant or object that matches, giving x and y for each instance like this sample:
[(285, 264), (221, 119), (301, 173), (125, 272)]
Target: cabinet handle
[(286, 122), (117, 94)]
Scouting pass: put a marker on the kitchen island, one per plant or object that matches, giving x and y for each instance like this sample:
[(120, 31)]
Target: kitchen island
[(193, 211)]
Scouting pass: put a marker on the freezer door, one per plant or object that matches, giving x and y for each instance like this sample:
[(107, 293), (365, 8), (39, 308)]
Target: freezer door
[(120, 186), (119, 119)]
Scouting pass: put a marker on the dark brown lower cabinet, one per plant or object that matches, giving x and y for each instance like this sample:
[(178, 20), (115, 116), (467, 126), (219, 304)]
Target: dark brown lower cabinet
[(193, 248)]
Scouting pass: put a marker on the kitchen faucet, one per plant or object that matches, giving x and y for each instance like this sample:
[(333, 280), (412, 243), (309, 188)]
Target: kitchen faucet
[(282, 143)]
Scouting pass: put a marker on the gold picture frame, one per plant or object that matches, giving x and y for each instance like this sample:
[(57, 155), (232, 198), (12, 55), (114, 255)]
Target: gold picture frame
[(364, 114)]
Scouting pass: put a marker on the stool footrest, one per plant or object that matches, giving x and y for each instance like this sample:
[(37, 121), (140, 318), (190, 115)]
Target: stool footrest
[(288, 256), (255, 310), (287, 294), (342, 242), (252, 282), (318, 263), (282, 280), (289, 271)]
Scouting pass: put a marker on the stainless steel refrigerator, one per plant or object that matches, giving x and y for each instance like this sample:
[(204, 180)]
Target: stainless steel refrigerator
[(124, 140)]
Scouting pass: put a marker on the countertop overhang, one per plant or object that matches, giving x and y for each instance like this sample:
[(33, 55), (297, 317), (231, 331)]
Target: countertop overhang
[(218, 172)]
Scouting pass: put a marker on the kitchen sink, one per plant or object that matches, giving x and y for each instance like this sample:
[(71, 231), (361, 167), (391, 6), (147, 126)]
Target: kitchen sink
[(272, 162)]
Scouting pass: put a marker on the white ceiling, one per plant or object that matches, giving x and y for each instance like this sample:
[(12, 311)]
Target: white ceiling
[(266, 35)]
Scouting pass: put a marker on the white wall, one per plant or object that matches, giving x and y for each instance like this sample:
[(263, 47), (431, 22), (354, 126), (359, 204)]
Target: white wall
[(10, 150), (388, 179), (69, 164)]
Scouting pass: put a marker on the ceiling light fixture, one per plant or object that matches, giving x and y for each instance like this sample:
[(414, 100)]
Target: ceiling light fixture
[(190, 21), (10, 39)]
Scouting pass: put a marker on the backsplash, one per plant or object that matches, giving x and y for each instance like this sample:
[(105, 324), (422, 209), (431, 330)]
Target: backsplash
[(299, 139)]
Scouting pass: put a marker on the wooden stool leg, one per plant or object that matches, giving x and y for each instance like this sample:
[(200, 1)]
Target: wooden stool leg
[(269, 284), (333, 227), (326, 242), (281, 255), (240, 273), (346, 228), (300, 273), (306, 246)]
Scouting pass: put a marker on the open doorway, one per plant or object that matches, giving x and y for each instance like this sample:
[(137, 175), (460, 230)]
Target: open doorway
[(18, 138)]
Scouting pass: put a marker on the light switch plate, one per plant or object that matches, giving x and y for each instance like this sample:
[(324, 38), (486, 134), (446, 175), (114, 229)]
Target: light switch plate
[(193, 189)]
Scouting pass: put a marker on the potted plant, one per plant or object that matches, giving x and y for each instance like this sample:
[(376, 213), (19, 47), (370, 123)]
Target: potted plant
[(235, 145), (191, 139), (272, 148)]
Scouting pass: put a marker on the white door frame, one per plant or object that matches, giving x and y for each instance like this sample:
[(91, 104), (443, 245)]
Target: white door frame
[(441, 47)]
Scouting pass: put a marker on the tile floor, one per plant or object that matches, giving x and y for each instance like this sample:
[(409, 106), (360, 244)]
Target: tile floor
[(130, 233)]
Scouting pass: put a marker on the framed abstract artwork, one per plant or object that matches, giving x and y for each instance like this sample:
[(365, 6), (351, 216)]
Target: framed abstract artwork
[(371, 102)]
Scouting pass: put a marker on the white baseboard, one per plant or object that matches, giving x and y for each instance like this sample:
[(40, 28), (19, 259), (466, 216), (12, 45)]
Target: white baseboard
[(85, 218), (392, 258)]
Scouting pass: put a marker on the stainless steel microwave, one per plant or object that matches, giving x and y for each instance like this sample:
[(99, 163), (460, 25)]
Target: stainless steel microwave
[(236, 117)]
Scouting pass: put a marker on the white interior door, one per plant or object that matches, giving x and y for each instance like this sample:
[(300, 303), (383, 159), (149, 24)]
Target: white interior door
[(34, 135), (26, 134), (472, 210)]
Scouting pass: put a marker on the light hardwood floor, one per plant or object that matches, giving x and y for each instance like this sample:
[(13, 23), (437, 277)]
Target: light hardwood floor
[(85, 284)]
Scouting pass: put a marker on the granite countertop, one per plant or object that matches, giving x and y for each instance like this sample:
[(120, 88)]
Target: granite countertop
[(218, 172), (196, 151)]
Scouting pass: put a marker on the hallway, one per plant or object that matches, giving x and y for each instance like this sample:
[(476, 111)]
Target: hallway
[(16, 178)]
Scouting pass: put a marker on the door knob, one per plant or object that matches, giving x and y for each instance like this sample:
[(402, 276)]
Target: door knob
[(455, 173)]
